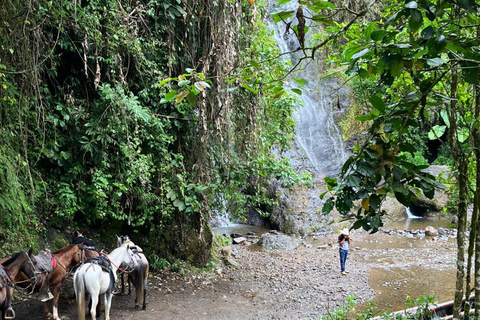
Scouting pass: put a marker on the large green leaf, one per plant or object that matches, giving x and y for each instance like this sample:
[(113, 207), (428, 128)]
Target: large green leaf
[(436, 132)]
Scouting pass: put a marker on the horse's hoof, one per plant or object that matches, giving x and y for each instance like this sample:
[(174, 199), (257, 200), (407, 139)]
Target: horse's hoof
[(137, 307), (144, 308)]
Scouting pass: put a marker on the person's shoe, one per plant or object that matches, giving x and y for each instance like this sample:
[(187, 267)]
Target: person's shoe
[(344, 273), (347, 271), (45, 296)]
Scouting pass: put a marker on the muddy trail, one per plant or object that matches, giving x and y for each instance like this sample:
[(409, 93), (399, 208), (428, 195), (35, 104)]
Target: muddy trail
[(293, 284)]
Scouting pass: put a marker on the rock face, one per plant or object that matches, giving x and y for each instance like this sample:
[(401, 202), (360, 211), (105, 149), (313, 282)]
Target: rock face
[(277, 241), (300, 210)]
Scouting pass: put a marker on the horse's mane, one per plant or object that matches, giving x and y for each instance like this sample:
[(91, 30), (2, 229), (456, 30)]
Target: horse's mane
[(65, 249), (12, 259)]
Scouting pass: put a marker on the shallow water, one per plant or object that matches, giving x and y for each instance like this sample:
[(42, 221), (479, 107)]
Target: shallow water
[(401, 266)]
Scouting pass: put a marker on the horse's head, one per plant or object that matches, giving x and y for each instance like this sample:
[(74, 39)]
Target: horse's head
[(129, 259), (30, 268), (122, 239)]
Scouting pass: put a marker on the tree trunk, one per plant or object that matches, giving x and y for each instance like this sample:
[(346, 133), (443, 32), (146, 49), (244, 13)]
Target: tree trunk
[(476, 141), (462, 201)]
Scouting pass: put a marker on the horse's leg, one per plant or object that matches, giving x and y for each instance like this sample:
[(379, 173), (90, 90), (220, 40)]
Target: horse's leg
[(129, 284), (145, 281), (46, 310), (108, 304), (56, 297), (123, 285), (93, 308), (9, 312)]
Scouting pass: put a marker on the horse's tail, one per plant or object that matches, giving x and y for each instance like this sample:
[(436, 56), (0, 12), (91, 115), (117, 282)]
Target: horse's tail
[(79, 287), (141, 280)]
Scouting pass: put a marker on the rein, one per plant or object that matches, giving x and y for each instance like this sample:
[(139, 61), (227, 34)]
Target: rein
[(118, 268)]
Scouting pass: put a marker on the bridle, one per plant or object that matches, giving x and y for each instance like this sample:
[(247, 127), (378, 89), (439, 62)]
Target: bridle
[(132, 261)]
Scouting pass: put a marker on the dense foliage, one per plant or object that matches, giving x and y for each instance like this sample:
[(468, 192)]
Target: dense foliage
[(424, 57), (137, 116)]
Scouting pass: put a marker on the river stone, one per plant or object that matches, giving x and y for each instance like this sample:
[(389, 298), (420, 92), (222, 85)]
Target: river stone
[(271, 241), (442, 231), (431, 231), (239, 240)]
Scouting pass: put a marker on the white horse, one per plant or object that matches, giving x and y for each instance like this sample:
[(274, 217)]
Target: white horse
[(139, 275), (91, 278)]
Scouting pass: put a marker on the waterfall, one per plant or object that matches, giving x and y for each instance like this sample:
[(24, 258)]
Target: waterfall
[(316, 131), (410, 215)]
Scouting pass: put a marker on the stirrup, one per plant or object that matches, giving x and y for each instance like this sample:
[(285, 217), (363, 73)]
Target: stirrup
[(45, 296)]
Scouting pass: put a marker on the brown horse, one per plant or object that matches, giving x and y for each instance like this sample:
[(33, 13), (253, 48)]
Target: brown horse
[(12, 267), (6, 292), (139, 275), (63, 260)]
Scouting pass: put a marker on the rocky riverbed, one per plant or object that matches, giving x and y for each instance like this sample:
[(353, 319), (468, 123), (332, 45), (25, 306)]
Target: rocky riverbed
[(301, 283)]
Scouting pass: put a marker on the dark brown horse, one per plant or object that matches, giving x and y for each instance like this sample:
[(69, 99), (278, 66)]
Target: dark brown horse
[(139, 275), (6, 292), (63, 260), (21, 263)]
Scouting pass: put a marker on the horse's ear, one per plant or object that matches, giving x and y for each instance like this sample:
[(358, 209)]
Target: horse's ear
[(30, 252)]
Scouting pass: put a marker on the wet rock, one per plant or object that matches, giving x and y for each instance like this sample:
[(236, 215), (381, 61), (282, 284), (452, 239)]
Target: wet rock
[(442, 231), (226, 251), (233, 263), (431, 231), (239, 240), (271, 241), (236, 235)]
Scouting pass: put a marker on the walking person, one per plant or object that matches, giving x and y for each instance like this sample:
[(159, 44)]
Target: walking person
[(343, 242)]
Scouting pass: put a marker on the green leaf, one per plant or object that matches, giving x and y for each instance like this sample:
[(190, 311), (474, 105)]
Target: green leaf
[(181, 96), (249, 88), (281, 15), (361, 54), (192, 99), (297, 91), (368, 30), (468, 5), (462, 134), (427, 33), (412, 5), (444, 115), (378, 35), (436, 132), (377, 103), (328, 206), (255, 64), (403, 199), (190, 70), (301, 81), (169, 97)]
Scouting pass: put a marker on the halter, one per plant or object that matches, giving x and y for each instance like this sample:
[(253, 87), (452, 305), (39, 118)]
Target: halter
[(118, 268), (33, 281)]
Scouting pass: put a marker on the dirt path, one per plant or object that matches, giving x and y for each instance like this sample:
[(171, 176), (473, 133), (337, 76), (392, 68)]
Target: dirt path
[(298, 284), (268, 285)]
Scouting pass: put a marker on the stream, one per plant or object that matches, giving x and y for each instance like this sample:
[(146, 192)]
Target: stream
[(402, 265)]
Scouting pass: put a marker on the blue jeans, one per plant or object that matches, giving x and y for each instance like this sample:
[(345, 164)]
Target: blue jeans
[(343, 258)]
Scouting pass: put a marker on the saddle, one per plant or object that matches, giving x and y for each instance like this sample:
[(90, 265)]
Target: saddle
[(106, 266), (5, 278)]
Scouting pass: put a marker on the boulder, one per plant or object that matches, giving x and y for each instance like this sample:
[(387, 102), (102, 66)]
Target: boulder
[(271, 241), (431, 231), (239, 240)]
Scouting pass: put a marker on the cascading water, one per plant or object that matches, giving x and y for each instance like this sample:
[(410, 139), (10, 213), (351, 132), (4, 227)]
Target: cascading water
[(316, 131)]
